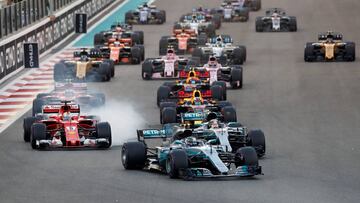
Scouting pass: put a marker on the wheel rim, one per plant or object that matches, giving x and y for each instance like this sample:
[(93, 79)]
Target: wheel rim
[(168, 166), (124, 158)]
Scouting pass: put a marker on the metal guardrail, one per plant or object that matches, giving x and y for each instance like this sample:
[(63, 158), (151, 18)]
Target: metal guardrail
[(26, 12)]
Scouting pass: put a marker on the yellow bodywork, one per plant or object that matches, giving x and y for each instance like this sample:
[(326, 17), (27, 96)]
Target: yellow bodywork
[(82, 67), (329, 50)]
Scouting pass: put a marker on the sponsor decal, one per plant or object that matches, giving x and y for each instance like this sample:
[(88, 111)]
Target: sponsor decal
[(80, 23), (31, 55), (151, 133)]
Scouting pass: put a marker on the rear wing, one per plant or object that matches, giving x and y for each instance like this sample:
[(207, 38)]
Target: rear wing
[(198, 116), (72, 108), (201, 73), (91, 53), (165, 132), (61, 86)]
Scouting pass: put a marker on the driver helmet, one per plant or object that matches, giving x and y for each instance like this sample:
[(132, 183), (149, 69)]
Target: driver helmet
[(117, 44), (66, 116), (170, 53), (192, 79), (275, 14), (191, 141), (197, 98), (193, 17), (212, 61), (118, 29), (84, 58), (214, 123), (219, 40)]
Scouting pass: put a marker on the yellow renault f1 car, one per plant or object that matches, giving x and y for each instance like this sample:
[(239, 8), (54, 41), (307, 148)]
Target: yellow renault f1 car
[(330, 47), (84, 67)]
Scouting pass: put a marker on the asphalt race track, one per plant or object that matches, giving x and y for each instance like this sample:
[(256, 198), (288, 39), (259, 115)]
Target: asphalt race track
[(310, 114)]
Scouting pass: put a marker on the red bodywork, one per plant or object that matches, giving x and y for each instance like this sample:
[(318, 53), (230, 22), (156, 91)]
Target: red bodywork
[(73, 128), (200, 74)]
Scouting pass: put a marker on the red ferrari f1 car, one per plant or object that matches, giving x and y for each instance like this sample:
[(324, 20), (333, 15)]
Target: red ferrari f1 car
[(62, 126)]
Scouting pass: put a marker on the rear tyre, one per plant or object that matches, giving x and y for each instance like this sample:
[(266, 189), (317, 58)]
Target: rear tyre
[(168, 115), (104, 71), (198, 53), (223, 85), (128, 17), (229, 114), (37, 106), (140, 36), (217, 92), (259, 24), (112, 66), (163, 94), (163, 45), (135, 55), (256, 5), (216, 19), (202, 39), (238, 56), (243, 50), (309, 53), (99, 39), (210, 30), (350, 51), (133, 155), (292, 24)]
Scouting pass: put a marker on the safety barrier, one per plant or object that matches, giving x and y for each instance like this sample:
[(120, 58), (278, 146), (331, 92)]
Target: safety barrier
[(46, 35), (27, 12)]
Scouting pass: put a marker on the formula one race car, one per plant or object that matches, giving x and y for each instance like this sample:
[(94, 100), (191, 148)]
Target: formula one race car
[(196, 108), (223, 49), (181, 89), (182, 41), (86, 66), (230, 136), (122, 53), (232, 12), (252, 5), (198, 23), (232, 75), (145, 14), (75, 92), (188, 157), (205, 14), (119, 32), (63, 126), (168, 66), (276, 20), (330, 47)]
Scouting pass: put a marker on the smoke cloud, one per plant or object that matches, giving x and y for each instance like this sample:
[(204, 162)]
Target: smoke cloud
[(123, 119)]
